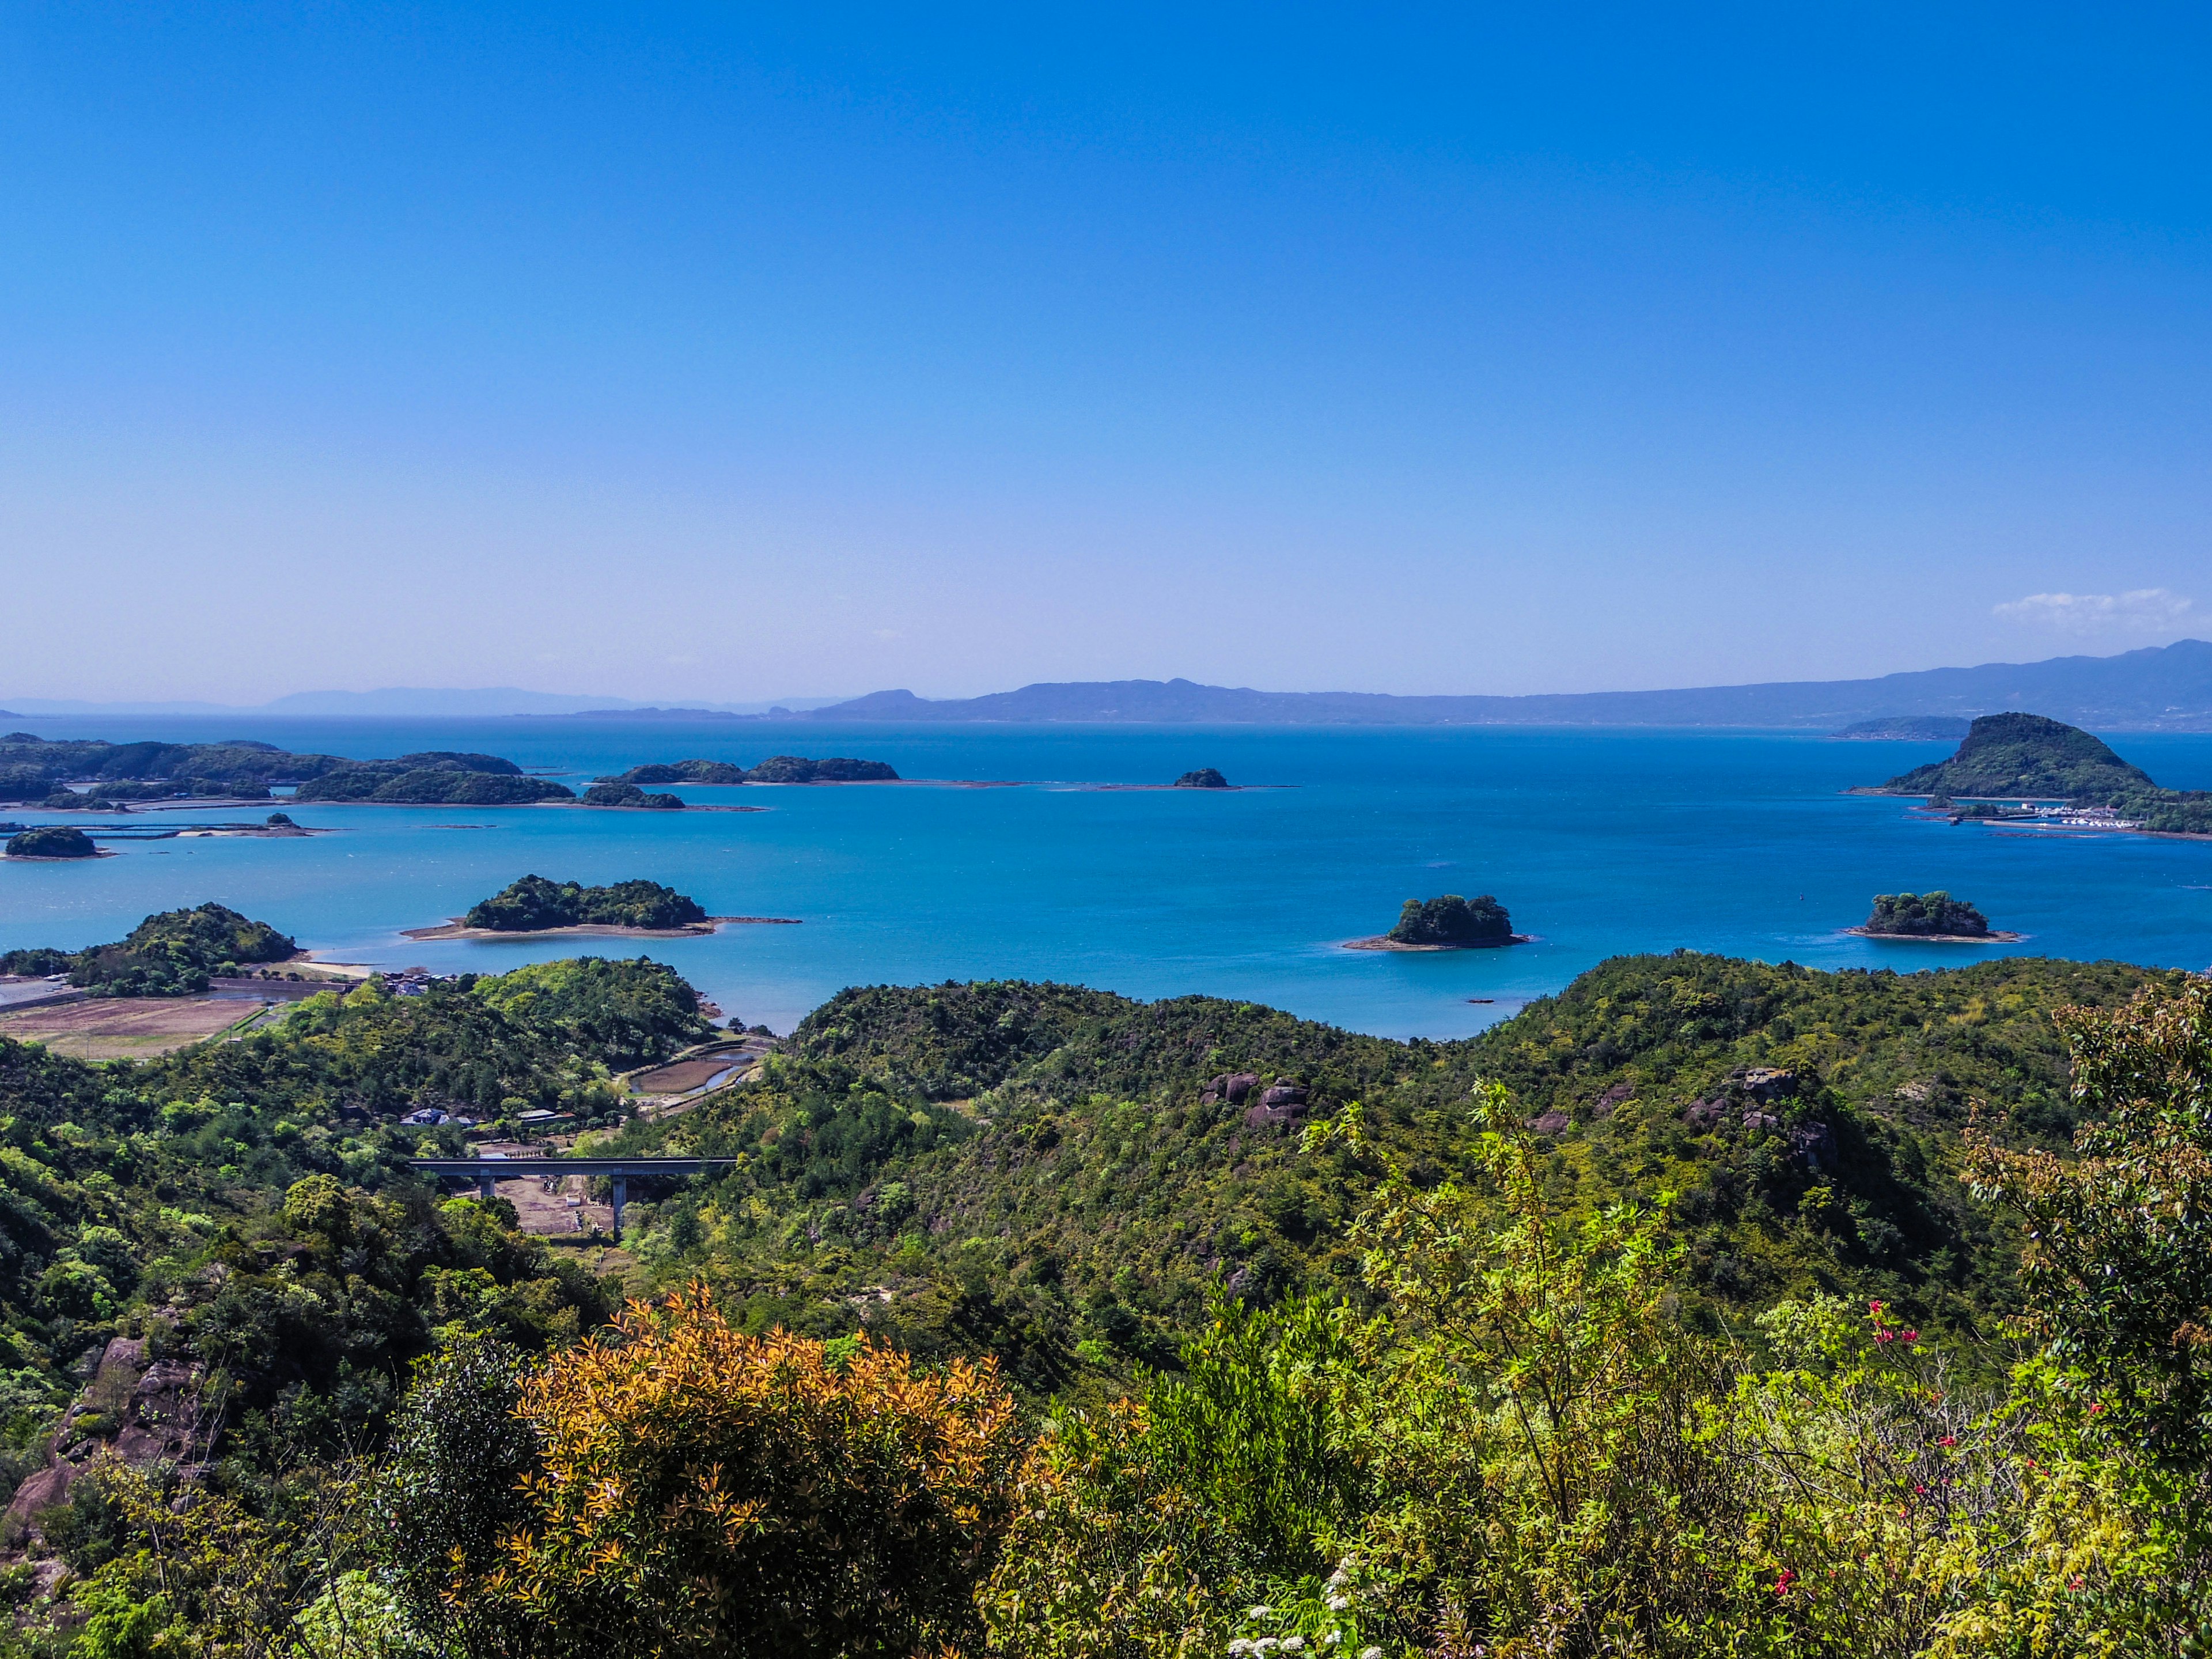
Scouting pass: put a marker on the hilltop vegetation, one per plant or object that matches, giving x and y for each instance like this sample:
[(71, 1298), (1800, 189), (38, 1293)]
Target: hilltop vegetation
[(533, 904), (172, 954), (2027, 757), (837, 768), (32, 769), (1909, 914), (689, 771), (434, 781), (1548, 1341), (629, 794), (50, 841), (1452, 919)]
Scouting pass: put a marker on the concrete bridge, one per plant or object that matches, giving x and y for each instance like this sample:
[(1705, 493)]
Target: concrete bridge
[(483, 1172)]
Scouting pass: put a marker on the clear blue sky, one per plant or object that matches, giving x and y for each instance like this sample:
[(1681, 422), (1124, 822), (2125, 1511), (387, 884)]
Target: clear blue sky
[(728, 353)]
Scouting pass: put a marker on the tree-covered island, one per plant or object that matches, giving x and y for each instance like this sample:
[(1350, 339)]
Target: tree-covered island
[(1447, 923), (689, 771), (534, 904), (1206, 777), (37, 769), (51, 841), (836, 768), (2026, 757), (629, 794), (1933, 915)]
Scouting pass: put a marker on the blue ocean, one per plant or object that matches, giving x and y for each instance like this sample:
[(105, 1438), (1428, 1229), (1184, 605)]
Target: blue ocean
[(1599, 842)]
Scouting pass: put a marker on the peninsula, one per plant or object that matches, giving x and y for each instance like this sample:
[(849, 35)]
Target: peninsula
[(2026, 757), (173, 954), (1448, 923), (1933, 918)]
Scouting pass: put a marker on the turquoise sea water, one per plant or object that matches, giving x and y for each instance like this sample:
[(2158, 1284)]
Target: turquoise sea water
[(1600, 842)]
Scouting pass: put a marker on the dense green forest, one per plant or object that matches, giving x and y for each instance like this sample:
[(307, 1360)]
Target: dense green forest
[(629, 794), (172, 954), (689, 771), (1910, 913), (1180, 1324), (50, 841), (1452, 919), (837, 768), (34, 770), (533, 903)]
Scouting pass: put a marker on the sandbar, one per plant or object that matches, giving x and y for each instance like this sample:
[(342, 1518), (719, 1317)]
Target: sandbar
[(1995, 936), (1384, 941)]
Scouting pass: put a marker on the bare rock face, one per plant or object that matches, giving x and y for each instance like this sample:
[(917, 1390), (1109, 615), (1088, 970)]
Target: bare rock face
[(1231, 1086), (1767, 1083), (1605, 1103), (1552, 1122), (1281, 1102), (1704, 1114), (143, 1413)]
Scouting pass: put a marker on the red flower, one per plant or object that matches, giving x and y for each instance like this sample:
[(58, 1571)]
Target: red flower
[(1948, 1440), (1883, 1336), (1913, 1336)]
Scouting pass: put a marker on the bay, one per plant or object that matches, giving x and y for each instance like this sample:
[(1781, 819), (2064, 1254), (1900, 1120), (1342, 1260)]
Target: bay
[(1600, 842)]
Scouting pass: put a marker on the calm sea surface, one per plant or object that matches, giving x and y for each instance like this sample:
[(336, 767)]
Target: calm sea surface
[(1599, 842)]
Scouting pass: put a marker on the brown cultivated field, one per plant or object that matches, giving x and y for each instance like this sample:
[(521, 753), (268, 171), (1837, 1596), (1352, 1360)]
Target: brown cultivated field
[(126, 1028), (685, 1075)]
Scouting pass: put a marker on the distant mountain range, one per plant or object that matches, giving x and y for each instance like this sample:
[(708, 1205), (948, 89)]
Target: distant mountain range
[(2160, 688), (404, 703)]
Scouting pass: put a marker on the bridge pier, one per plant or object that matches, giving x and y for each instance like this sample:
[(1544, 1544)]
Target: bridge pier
[(622, 1195)]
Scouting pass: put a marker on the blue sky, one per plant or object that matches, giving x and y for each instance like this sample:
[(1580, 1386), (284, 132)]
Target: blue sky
[(723, 353)]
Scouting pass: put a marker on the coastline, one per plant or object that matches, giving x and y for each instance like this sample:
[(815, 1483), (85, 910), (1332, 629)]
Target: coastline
[(457, 929), (1995, 936), (1384, 941)]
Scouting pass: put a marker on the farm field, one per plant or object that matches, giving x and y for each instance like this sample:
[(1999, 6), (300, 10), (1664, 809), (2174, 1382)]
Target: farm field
[(127, 1028)]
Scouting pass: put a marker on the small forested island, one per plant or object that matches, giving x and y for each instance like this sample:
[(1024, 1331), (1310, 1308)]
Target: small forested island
[(1447, 923), (629, 794), (535, 905), (51, 841), (173, 954), (1205, 778), (837, 768), (689, 771), (436, 778), (119, 775), (2025, 758), (1935, 917)]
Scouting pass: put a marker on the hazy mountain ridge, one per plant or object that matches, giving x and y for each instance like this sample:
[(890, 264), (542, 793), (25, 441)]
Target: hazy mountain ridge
[(2160, 688)]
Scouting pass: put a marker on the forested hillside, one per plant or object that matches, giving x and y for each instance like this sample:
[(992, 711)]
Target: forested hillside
[(1049, 1164), (1036, 1321)]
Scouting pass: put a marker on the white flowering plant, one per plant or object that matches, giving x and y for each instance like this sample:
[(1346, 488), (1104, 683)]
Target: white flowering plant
[(1337, 1618)]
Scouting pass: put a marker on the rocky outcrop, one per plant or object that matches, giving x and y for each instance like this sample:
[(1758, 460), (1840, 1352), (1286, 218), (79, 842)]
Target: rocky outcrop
[(1281, 1102), (1231, 1086), (139, 1411)]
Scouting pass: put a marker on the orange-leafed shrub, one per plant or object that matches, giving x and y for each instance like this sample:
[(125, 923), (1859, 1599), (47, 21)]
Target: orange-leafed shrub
[(702, 1490)]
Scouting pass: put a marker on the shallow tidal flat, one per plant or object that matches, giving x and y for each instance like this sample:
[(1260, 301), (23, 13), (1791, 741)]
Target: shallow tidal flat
[(1600, 842)]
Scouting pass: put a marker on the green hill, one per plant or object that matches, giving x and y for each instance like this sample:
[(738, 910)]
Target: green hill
[(1102, 1162), (2027, 755), (533, 904)]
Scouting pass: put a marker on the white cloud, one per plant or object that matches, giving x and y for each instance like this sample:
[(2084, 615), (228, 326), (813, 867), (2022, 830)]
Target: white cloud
[(2143, 610)]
